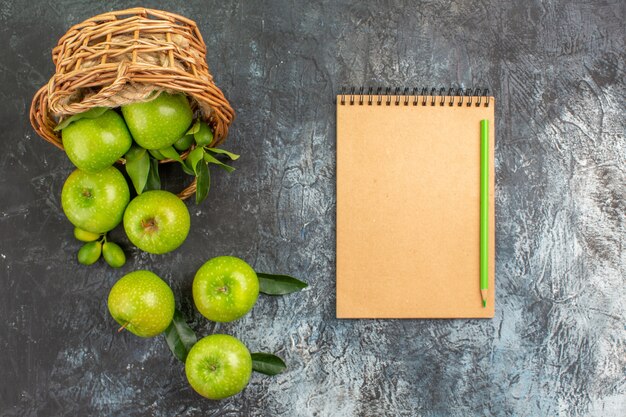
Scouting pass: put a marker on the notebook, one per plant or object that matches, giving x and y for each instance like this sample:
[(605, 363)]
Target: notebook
[(408, 200)]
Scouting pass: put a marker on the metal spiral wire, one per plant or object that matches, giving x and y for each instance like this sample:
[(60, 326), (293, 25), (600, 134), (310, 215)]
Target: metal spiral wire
[(415, 96)]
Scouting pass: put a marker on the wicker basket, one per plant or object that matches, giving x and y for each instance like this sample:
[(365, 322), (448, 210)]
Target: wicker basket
[(124, 56)]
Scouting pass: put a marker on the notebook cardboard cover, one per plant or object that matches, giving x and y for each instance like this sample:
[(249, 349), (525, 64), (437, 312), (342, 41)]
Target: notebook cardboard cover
[(408, 198)]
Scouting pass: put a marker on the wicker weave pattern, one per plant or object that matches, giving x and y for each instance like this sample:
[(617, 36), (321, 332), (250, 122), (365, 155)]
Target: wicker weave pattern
[(122, 57)]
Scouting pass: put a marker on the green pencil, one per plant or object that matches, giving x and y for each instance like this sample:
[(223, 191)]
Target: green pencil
[(484, 210)]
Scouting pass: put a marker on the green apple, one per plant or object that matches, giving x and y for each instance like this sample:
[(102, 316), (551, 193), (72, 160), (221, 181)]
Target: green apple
[(184, 143), (95, 202), (160, 122), (95, 144), (157, 221), (218, 366), (142, 303), (225, 288)]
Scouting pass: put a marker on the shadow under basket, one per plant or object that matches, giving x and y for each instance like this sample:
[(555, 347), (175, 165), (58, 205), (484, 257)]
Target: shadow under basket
[(125, 56)]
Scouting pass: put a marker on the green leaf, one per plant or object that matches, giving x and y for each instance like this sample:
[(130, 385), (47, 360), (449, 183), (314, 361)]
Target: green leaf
[(89, 114), (267, 364), (135, 152), (186, 168), (194, 157), (194, 128), (279, 284), (232, 156), (203, 181), (203, 136), (138, 167), (171, 153), (179, 336), (156, 154), (154, 181), (210, 159)]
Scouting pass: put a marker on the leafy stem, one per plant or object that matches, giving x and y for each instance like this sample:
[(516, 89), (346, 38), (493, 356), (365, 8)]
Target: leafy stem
[(142, 165), (202, 156)]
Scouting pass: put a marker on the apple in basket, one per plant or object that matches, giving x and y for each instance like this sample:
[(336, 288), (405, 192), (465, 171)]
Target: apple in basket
[(160, 122), (95, 139)]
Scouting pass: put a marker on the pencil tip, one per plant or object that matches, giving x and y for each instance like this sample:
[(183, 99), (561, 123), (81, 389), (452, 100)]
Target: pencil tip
[(484, 303)]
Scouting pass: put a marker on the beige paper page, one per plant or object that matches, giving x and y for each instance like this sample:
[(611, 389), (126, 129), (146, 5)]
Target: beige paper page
[(408, 199)]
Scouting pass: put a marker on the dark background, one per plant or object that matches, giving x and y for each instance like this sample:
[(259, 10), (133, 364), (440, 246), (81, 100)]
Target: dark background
[(556, 345)]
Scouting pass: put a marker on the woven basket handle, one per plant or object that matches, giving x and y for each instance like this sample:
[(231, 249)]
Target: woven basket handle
[(105, 93)]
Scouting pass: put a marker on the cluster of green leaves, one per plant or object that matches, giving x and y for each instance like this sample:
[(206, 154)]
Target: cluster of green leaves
[(180, 337), (142, 165)]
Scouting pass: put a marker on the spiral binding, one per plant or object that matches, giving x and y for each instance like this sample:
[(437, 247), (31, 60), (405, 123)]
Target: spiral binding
[(425, 96)]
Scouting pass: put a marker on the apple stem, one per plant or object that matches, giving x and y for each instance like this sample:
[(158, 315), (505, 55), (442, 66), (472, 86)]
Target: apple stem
[(123, 327), (150, 225)]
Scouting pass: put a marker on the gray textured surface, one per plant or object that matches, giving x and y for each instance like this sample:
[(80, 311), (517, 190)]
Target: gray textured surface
[(557, 344)]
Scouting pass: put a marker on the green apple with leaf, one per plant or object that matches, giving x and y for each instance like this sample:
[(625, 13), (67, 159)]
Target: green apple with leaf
[(157, 221), (203, 155), (218, 366), (95, 202), (160, 122), (94, 140), (142, 303), (225, 288)]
